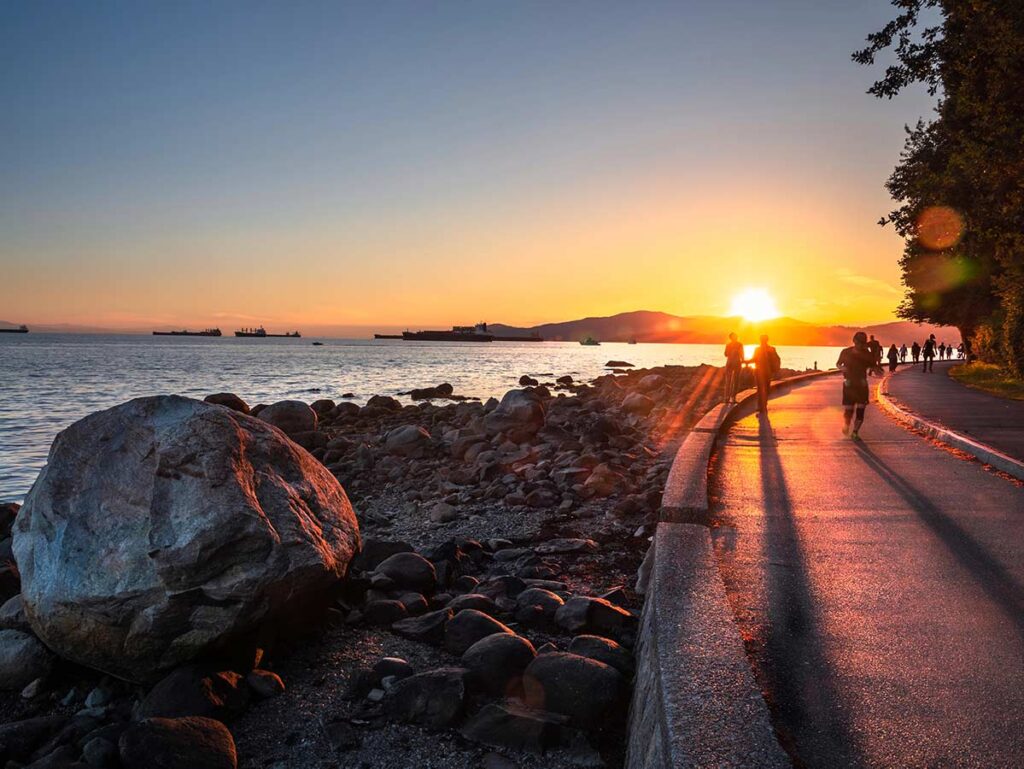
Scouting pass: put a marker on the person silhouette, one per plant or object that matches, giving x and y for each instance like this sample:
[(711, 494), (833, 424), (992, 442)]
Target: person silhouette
[(903, 353), (766, 365), (893, 356), (733, 366), (942, 350), (928, 354), (856, 363), (915, 352), (876, 349)]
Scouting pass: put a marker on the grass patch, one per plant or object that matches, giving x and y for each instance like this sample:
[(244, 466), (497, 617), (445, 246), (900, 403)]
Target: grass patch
[(990, 378)]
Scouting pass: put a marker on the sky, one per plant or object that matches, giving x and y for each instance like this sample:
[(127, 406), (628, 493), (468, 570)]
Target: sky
[(346, 165)]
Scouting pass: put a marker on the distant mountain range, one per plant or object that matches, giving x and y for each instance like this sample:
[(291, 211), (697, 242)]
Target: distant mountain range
[(648, 326)]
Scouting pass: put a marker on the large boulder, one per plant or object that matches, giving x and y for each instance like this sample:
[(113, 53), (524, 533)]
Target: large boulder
[(497, 661), (434, 699), (407, 441), (178, 743), (290, 417), (637, 403), (469, 626), (583, 689), (165, 526), (230, 400), (520, 411), (22, 659)]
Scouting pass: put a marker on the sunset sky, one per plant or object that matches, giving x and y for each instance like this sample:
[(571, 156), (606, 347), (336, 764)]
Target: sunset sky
[(391, 164)]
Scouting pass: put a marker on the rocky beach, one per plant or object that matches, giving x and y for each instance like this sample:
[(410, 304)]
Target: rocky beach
[(441, 583)]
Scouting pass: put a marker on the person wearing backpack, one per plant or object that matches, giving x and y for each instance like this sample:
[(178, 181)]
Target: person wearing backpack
[(766, 365)]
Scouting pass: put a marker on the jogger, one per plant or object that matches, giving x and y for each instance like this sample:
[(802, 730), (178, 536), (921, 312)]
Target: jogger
[(856, 362)]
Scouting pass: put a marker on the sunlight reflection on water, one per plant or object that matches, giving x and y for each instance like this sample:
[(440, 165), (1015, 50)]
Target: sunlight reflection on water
[(51, 380)]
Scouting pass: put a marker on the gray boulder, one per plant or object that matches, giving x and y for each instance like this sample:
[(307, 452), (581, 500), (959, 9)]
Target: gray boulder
[(178, 743), (583, 689), (230, 400), (637, 403), (409, 570), (434, 699), (496, 662), (166, 526), (12, 615), (520, 411), (290, 417), (407, 441), (428, 628), (603, 650), (23, 659), (469, 626)]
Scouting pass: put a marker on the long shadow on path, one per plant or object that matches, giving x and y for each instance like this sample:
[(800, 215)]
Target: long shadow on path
[(805, 702), (1005, 591)]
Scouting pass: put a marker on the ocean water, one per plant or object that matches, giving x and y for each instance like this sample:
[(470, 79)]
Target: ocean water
[(48, 381)]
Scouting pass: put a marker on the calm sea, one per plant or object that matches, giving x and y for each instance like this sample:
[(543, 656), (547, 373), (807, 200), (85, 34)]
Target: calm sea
[(47, 381)]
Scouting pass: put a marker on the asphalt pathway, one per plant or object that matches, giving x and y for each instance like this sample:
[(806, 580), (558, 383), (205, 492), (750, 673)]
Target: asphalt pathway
[(878, 586), (996, 422)]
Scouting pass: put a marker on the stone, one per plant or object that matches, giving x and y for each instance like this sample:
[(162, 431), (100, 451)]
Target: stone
[(434, 699), (585, 614), (567, 545), (618, 364), (34, 689), (585, 690), (428, 628), (469, 626), (383, 403), (521, 411), (603, 650), (384, 612), (409, 570), (496, 662), (192, 691), (564, 380), (290, 417), (650, 383), (12, 615), (23, 659), (476, 601), (528, 381), (414, 603), (543, 498), (345, 410), (229, 400), (514, 727), (323, 407), (444, 390), (19, 739), (637, 403), (98, 697), (442, 512), (375, 550), (395, 667), (177, 743), (407, 441), (166, 526), (100, 752), (264, 683), (548, 603)]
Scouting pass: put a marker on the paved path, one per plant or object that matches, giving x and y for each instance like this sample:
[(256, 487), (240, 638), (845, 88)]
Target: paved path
[(997, 422), (879, 588)]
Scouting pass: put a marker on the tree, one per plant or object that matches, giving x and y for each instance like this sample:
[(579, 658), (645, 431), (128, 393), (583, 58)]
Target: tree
[(964, 168)]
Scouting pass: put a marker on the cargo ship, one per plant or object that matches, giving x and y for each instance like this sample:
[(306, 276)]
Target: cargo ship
[(19, 330), (261, 333), (477, 333), (183, 332)]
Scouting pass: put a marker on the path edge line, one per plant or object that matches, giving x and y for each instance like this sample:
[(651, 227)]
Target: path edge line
[(976, 449), (695, 701)]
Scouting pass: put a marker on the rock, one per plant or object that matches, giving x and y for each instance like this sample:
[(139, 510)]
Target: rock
[(603, 650), (165, 526), (637, 403), (514, 727), (583, 689), (100, 752), (230, 400), (545, 600), (191, 691), (375, 550), (602, 482), (414, 603), (394, 667), (23, 659), (427, 393), (434, 699), (567, 545), (618, 364), (178, 743), (542, 498), (469, 626), (342, 735), (290, 417), (12, 615), (496, 662), (323, 407), (528, 381), (428, 628), (346, 410), (384, 612), (564, 380), (476, 601), (520, 411), (33, 690), (407, 441), (442, 512), (383, 403), (98, 697), (409, 570), (650, 383), (584, 614), (18, 739), (264, 683)]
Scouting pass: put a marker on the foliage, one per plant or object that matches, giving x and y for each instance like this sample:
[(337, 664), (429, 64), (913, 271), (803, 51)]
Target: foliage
[(990, 378), (986, 343), (969, 161)]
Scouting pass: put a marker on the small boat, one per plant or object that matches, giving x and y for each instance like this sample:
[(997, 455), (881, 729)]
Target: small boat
[(318, 344), (589, 342), (22, 329), (183, 332), (261, 333)]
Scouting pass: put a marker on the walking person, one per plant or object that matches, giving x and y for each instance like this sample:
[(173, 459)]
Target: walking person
[(903, 353), (876, 349), (733, 366), (894, 357), (942, 350), (856, 363), (915, 352), (766, 365), (928, 354)]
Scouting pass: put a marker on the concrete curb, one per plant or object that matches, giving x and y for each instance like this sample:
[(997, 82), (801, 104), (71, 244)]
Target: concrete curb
[(695, 701), (976, 449)]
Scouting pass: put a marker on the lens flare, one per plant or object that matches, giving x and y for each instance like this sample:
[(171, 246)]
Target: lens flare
[(754, 304), (939, 228)]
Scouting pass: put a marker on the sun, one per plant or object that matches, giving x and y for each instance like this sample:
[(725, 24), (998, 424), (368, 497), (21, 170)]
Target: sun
[(754, 304)]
